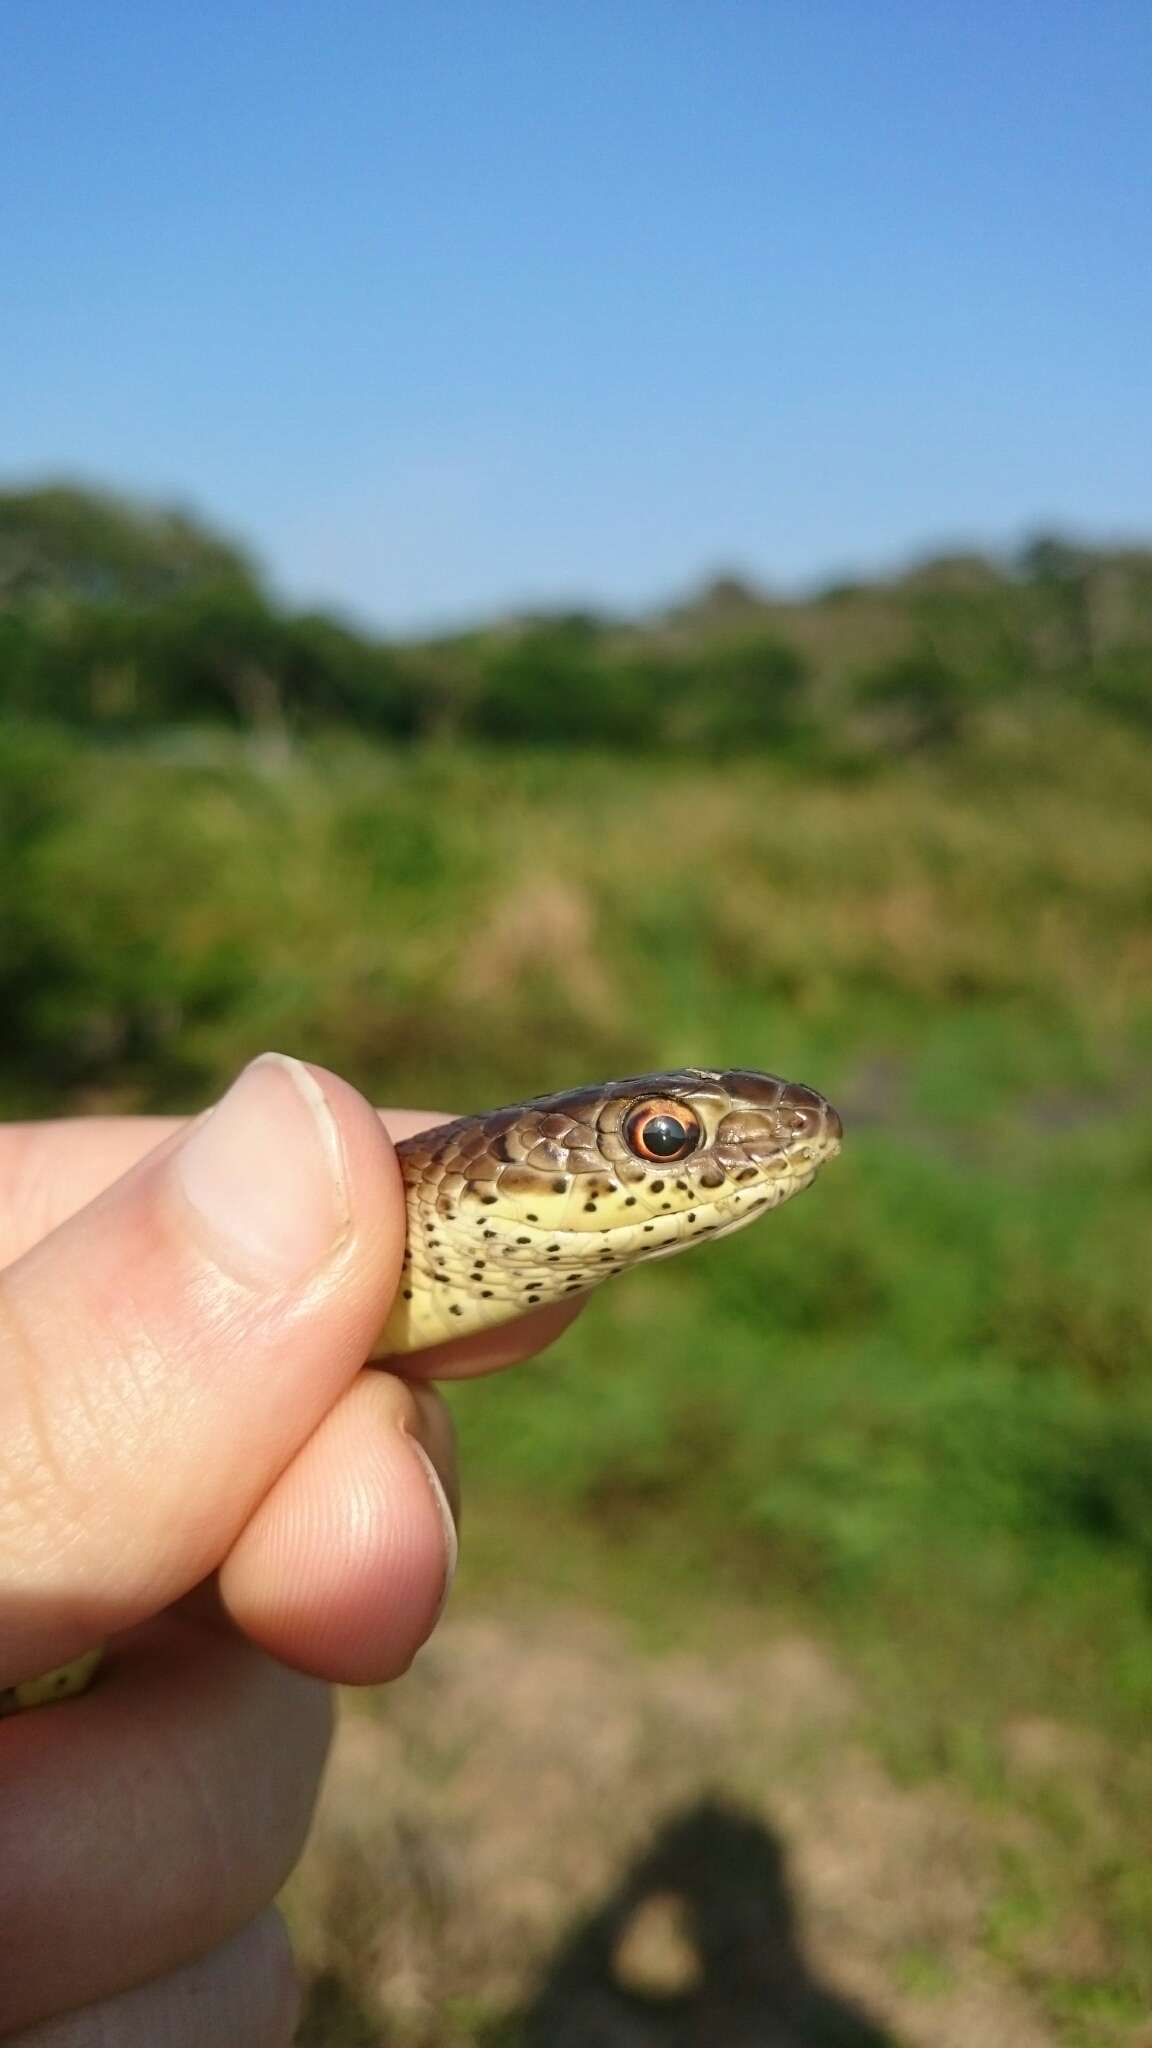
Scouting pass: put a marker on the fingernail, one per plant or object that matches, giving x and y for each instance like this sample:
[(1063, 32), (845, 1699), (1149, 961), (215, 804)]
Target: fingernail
[(264, 1173), (432, 1423)]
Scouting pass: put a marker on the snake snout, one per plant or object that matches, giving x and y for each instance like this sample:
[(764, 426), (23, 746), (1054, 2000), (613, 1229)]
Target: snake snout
[(808, 1118)]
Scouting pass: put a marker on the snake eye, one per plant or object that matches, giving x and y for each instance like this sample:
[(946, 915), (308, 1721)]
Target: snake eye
[(663, 1130)]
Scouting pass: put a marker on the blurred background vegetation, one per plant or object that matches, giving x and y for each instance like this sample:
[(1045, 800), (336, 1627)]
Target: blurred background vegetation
[(894, 839), (119, 618)]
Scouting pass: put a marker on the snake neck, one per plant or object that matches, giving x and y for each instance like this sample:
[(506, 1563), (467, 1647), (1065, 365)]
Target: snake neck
[(467, 1269)]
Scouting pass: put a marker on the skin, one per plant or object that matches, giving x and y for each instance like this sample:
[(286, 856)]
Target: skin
[(192, 1462)]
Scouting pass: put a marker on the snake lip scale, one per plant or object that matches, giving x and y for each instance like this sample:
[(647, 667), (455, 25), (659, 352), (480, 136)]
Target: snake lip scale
[(543, 1201)]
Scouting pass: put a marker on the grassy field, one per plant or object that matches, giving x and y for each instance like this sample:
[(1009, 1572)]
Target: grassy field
[(905, 1425)]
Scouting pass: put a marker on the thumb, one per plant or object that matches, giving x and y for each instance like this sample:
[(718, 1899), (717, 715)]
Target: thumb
[(165, 1352)]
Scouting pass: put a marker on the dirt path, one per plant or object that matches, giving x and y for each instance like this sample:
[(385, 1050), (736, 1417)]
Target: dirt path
[(542, 1836)]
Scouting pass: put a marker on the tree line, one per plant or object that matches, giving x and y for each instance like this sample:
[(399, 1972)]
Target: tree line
[(118, 616)]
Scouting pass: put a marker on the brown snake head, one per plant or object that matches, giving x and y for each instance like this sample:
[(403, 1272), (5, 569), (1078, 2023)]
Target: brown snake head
[(543, 1201)]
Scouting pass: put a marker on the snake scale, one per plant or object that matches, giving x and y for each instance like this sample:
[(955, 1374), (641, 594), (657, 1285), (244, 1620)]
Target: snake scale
[(541, 1202)]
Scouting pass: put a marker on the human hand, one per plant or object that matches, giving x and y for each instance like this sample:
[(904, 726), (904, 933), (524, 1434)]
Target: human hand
[(192, 1462)]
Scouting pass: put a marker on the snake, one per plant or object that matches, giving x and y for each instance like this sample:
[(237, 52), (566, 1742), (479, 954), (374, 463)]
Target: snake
[(516, 1208)]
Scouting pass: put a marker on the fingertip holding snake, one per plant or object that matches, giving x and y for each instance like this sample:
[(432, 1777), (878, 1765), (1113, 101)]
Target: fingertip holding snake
[(542, 1202)]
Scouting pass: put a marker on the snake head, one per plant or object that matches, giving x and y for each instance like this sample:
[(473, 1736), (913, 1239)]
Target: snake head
[(544, 1200), (707, 1149)]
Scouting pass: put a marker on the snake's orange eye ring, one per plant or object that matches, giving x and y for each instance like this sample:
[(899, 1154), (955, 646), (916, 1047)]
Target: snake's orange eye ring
[(663, 1131)]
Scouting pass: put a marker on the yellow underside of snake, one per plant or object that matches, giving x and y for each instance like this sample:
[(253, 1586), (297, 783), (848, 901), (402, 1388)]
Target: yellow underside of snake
[(543, 1201)]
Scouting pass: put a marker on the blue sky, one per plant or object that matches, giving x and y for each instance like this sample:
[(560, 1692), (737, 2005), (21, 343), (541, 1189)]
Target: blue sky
[(450, 306)]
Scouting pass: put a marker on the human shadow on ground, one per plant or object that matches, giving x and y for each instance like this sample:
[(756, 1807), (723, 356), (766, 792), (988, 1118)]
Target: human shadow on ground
[(333, 2016), (697, 1947)]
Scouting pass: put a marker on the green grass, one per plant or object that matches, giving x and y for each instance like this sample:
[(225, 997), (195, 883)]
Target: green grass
[(944, 1349), (916, 1405)]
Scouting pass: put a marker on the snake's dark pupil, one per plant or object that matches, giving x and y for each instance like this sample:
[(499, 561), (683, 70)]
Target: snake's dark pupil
[(664, 1136)]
